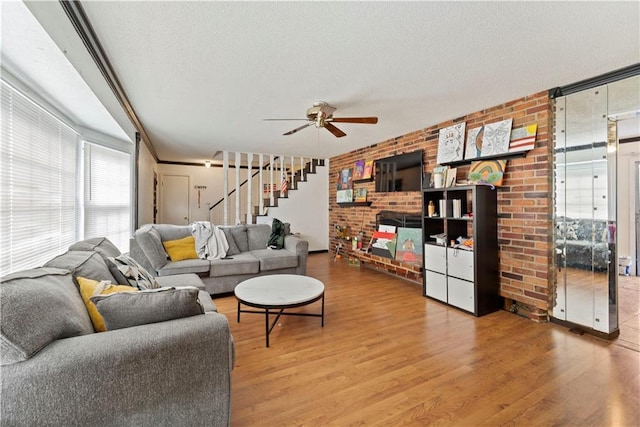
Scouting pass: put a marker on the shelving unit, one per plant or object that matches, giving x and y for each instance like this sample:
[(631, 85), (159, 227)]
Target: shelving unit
[(464, 279)]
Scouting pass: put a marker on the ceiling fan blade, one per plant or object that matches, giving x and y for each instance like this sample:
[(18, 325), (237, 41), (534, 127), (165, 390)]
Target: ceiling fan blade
[(278, 120), (334, 130), (291, 132), (363, 120)]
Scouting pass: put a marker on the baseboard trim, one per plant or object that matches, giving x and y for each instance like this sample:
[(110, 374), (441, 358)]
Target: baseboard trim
[(575, 328)]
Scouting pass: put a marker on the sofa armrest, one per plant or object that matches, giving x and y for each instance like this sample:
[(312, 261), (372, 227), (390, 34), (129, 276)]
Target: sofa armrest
[(300, 247), (170, 373)]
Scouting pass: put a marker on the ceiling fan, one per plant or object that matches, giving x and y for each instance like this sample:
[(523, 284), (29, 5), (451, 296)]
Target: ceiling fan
[(321, 115)]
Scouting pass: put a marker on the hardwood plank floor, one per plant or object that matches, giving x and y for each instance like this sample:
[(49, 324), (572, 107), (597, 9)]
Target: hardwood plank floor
[(388, 356)]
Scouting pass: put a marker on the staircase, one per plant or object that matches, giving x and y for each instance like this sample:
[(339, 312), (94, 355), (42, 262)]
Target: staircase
[(261, 187), (298, 176)]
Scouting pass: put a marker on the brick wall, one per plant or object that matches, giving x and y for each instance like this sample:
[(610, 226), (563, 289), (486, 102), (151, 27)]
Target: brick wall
[(524, 201)]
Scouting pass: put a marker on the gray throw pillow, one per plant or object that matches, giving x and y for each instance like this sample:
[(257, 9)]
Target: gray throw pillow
[(135, 274), (37, 307), (233, 247), (126, 309)]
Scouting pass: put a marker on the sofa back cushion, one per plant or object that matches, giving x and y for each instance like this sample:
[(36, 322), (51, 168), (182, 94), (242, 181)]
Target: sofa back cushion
[(106, 249), (172, 232), (83, 263), (233, 247), (37, 307), (150, 242), (239, 233), (258, 236), (102, 245)]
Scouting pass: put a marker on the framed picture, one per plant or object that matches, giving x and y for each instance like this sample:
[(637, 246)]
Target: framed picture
[(358, 169), (383, 244), (368, 169), (360, 195), (344, 196), (523, 139), (409, 245), (451, 143), (345, 179), (488, 172), (495, 138), (474, 143)]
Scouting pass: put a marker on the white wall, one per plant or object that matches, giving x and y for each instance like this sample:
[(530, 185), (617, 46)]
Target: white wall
[(213, 179), (307, 209), (628, 155)]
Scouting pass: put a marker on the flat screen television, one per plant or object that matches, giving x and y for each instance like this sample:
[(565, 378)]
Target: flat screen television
[(402, 172)]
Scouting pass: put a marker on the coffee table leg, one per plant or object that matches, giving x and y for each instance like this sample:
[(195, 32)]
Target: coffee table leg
[(323, 309), (266, 324), (238, 311)]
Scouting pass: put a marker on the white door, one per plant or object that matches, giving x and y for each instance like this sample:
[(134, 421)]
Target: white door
[(175, 199)]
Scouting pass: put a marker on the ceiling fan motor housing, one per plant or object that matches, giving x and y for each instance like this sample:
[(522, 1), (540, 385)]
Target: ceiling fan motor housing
[(320, 112)]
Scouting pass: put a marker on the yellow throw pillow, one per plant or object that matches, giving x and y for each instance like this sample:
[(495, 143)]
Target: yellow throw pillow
[(180, 249), (89, 288)]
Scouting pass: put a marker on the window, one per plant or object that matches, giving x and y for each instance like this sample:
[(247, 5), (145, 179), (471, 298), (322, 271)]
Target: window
[(107, 196), (38, 193), (44, 206)]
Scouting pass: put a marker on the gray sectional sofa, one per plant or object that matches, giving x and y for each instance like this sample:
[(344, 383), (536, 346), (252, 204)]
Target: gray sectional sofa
[(252, 257), (57, 371)]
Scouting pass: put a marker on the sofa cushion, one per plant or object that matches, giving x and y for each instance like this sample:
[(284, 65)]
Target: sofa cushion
[(150, 243), (233, 247), (126, 309), (135, 274), (239, 233), (89, 288), (83, 263), (175, 280), (181, 249), (172, 232), (106, 249), (271, 259), (258, 236), (184, 267), (242, 263), (37, 307)]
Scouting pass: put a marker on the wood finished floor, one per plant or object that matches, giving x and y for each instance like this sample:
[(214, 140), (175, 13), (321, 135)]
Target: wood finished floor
[(388, 356)]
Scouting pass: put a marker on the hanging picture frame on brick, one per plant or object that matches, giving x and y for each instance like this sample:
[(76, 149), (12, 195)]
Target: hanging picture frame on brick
[(451, 143)]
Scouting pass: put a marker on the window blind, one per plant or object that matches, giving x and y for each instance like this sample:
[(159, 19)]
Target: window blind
[(107, 194), (38, 189)]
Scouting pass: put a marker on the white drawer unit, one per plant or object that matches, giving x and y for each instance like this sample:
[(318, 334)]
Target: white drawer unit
[(435, 258), (461, 294), (460, 264), (436, 285)]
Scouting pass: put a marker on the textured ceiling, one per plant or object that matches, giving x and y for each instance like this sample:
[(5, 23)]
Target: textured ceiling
[(202, 76)]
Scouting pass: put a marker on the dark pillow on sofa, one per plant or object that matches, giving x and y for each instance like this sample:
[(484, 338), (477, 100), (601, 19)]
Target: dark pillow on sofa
[(276, 241), (126, 309), (233, 247)]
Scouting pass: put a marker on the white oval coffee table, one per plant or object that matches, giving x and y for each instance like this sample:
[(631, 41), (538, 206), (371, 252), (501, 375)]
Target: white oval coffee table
[(279, 292)]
